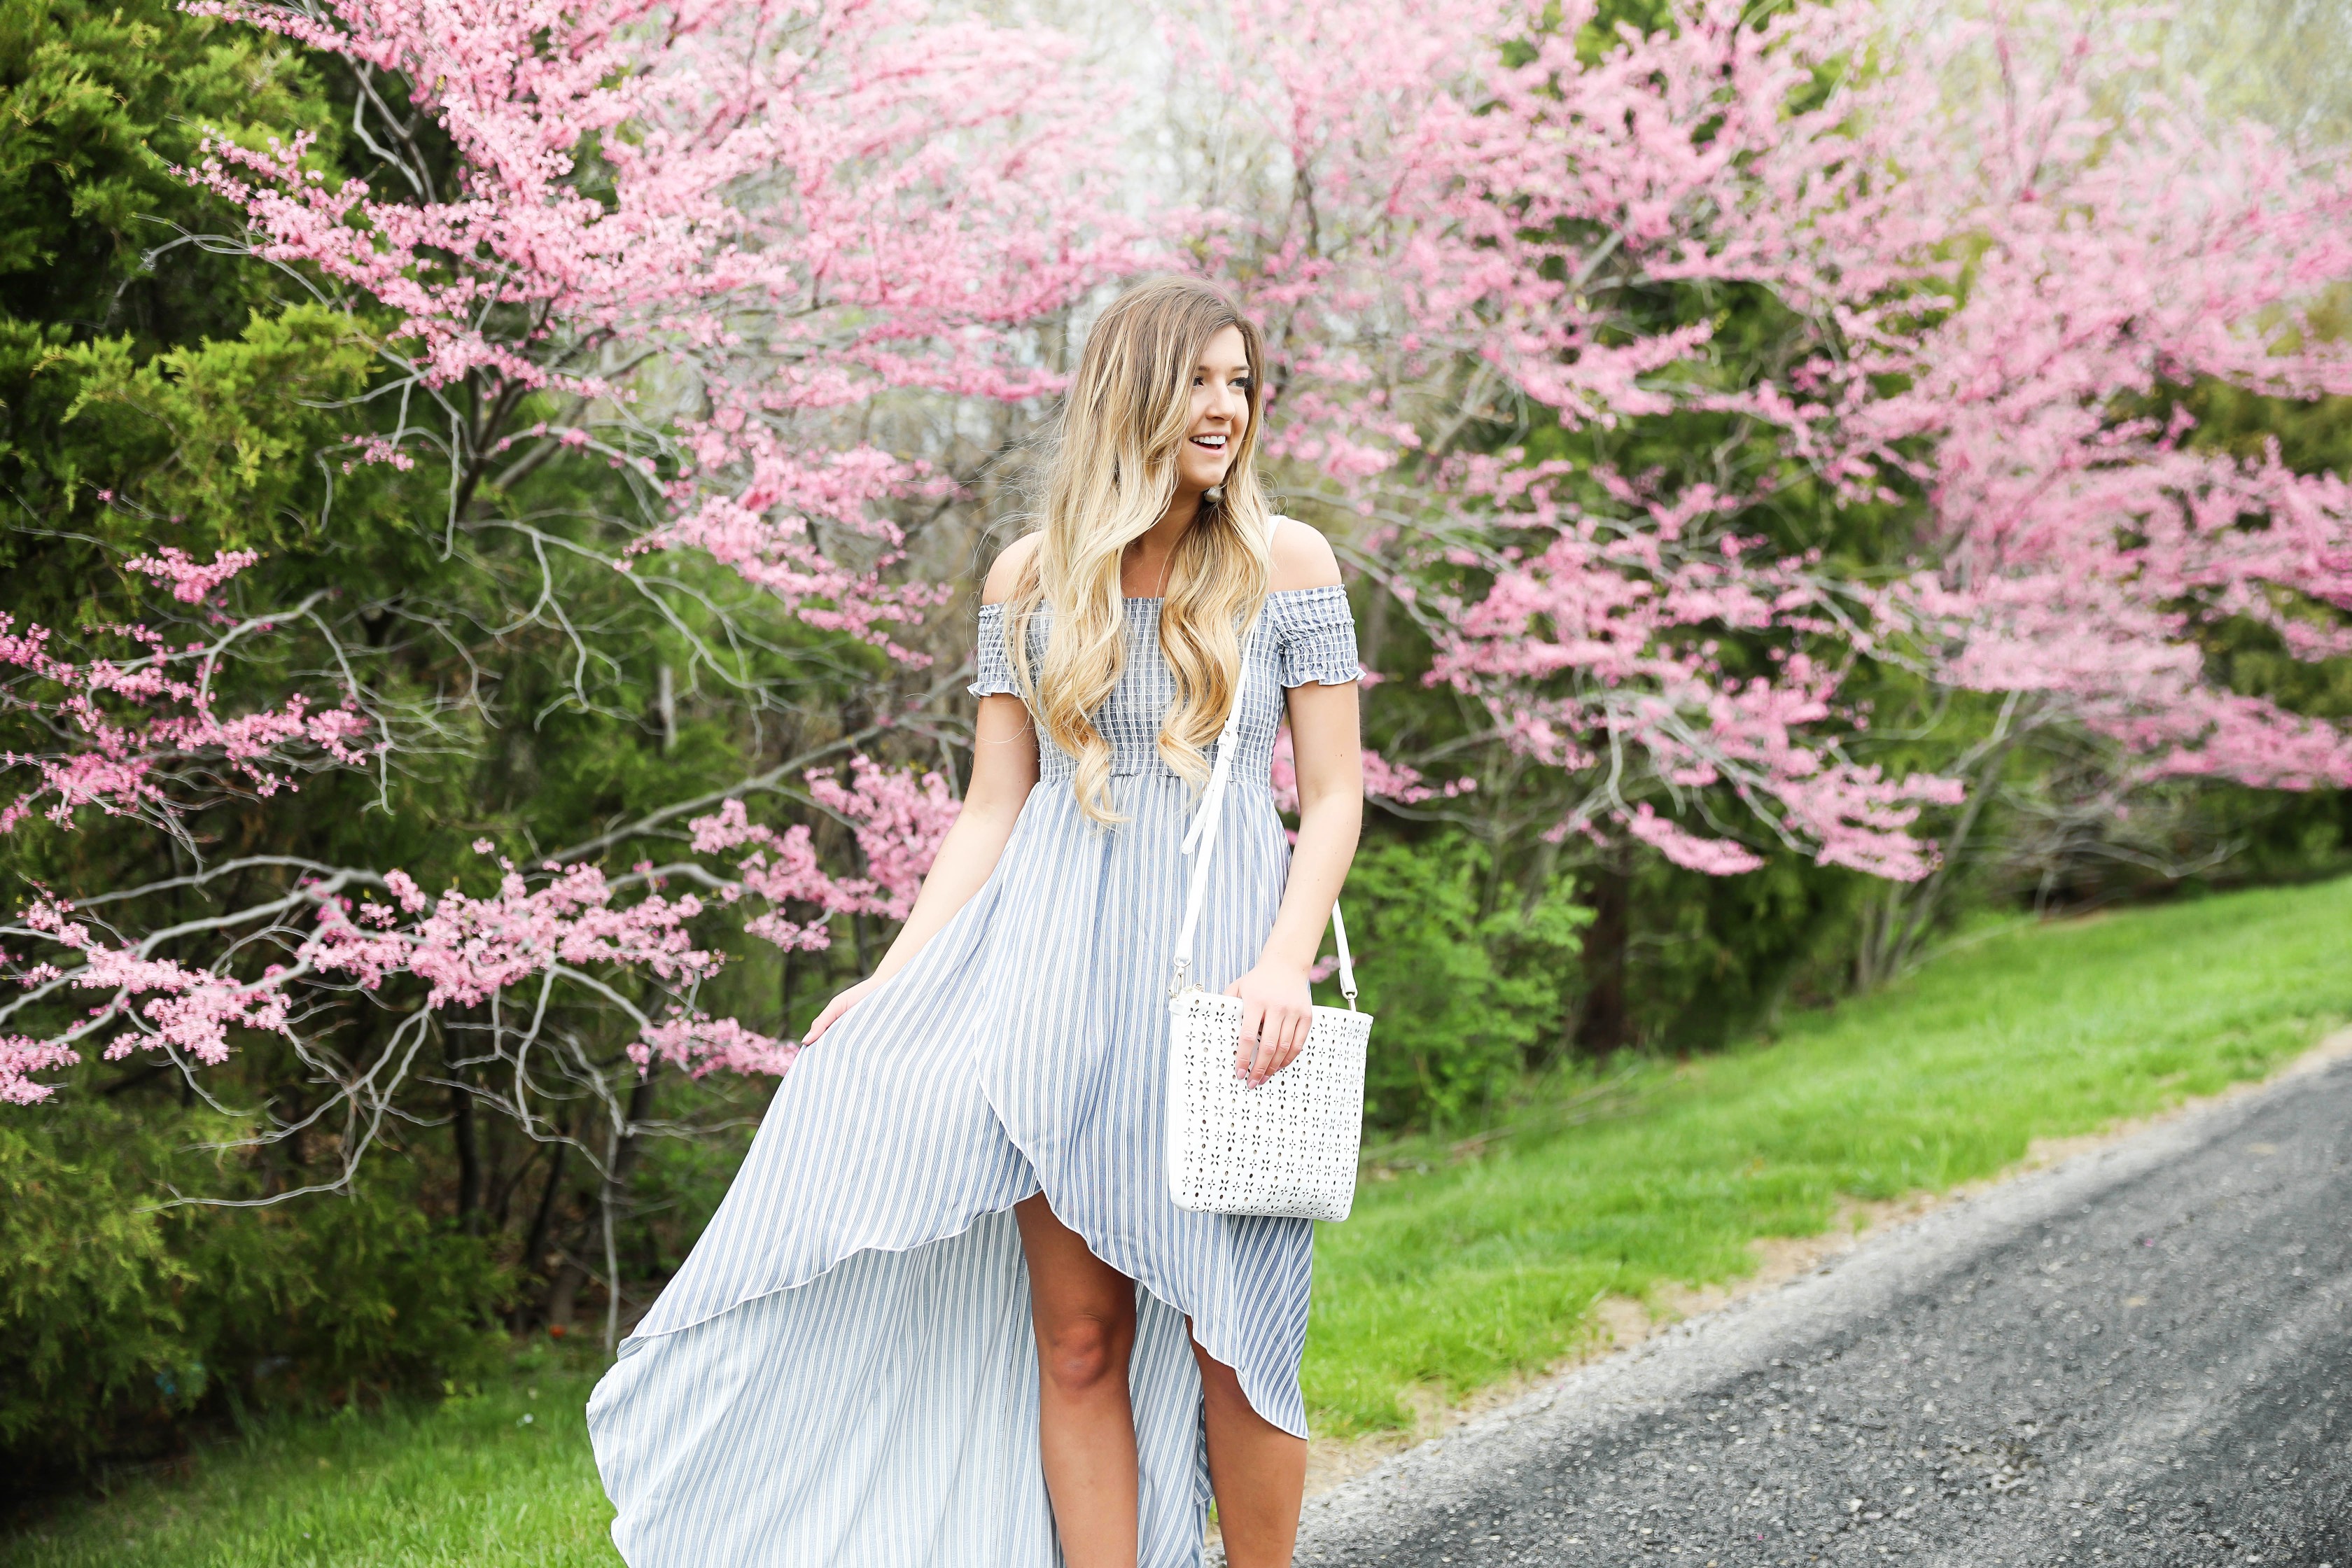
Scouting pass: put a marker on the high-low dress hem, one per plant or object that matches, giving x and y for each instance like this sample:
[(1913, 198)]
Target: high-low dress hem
[(843, 1372)]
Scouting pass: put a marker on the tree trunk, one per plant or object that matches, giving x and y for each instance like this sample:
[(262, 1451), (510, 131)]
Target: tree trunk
[(534, 1247), (500, 1181), (1906, 913), (784, 992), (1603, 1026), (619, 1163), (562, 1302), (467, 1137)]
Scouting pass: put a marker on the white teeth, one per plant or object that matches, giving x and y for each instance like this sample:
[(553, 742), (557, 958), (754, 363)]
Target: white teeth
[(1210, 440)]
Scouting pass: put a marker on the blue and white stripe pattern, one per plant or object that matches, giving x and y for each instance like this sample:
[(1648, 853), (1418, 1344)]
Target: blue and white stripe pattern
[(844, 1373)]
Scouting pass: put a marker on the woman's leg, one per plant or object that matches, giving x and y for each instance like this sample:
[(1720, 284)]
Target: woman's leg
[(1258, 1469), (1084, 1311)]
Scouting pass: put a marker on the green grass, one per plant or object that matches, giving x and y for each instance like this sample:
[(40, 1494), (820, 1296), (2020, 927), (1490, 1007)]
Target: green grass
[(1456, 1279), (466, 1483), (1486, 1263)]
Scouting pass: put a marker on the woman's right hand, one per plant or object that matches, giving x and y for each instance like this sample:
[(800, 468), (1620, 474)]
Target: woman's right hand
[(838, 1005)]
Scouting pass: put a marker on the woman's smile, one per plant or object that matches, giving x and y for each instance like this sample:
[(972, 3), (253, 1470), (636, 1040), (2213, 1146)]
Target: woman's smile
[(1221, 412)]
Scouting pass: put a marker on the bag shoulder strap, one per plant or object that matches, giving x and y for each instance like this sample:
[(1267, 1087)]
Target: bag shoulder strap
[(1201, 840)]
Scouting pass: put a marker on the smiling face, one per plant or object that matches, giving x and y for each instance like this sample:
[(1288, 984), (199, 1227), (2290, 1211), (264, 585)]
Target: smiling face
[(1221, 413)]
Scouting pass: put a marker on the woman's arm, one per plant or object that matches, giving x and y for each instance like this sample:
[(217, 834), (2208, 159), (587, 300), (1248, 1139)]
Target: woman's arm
[(1275, 1001), (1003, 769), (1329, 750)]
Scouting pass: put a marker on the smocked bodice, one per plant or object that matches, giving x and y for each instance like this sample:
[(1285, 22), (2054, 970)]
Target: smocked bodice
[(1303, 637)]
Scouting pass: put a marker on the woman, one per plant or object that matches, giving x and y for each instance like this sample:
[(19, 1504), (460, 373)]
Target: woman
[(948, 1314)]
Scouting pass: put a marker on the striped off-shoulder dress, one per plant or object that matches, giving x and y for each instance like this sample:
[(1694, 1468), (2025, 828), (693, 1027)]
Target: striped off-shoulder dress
[(844, 1376)]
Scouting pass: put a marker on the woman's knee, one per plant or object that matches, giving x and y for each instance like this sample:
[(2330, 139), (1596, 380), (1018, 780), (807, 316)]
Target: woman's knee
[(1085, 1352)]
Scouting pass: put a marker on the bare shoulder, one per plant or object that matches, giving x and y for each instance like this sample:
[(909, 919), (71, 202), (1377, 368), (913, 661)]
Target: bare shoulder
[(1302, 558), (1010, 563)]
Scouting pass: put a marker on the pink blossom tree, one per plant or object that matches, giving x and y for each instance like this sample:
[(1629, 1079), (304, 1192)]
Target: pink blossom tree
[(653, 296), (1489, 226), (727, 271), (1492, 222), (2096, 554)]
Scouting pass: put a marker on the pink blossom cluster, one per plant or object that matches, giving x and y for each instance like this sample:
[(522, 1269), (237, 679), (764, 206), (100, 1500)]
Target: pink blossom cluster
[(781, 869), (898, 820), (1600, 650), (156, 1003), (125, 732), (703, 1045), (467, 949), (193, 582), (21, 1056)]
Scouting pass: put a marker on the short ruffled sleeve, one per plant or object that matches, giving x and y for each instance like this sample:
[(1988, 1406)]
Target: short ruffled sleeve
[(992, 665), (1315, 636)]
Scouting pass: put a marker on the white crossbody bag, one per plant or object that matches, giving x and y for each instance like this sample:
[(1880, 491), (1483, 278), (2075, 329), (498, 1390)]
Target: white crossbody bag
[(1288, 1147)]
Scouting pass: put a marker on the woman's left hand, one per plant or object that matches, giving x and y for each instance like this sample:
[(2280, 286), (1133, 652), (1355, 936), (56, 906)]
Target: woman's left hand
[(1276, 1012)]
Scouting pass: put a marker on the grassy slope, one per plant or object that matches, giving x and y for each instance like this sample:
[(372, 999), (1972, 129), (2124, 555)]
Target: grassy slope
[(1448, 1280), (467, 1483), (1456, 1279)]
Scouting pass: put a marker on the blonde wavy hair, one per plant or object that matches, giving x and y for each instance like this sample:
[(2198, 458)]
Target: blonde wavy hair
[(1112, 476)]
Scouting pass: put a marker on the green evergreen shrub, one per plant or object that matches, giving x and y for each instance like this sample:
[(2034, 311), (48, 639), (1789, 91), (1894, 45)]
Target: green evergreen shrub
[(1468, 976), (120, 1319)]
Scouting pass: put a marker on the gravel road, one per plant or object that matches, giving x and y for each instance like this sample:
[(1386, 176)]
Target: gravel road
[(2142, 1356)]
